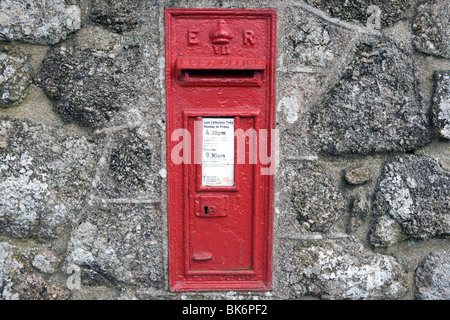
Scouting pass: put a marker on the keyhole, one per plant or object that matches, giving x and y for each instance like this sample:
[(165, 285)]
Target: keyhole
[(206, 210)]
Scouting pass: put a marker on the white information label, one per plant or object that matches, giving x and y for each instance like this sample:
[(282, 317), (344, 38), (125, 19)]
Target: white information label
[(218, 152)]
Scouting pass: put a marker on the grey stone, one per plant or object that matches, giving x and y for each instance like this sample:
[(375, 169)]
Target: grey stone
[(314, 197), (414, 191), (297, 93), (38, 21), (119, 243), (438, 150), (5, 127), (42, 185), (18, 281), (433, 277), (131, 165), (441, 103), (118, 15), (311, 43), (358, 175), (374, 107), (132, 157), (359, 210), (312, 51), (46, 262), (431, 28), (386, 232), (88, 85), (14, 75), (95, 293), (342, 269), (357, 10)]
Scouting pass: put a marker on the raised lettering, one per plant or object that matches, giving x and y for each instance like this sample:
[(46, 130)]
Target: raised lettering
[(193, 37), (222, 49), (249, 38)]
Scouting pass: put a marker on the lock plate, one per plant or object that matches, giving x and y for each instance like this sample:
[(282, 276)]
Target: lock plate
[(211, 206)]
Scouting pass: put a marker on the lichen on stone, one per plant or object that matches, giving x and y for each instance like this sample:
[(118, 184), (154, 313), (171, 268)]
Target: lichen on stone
[(412, 191), (88, 85), (356, 11), (118, 15), (342, 269), (14, 75), (441, 103), (38, 21), (431, 28), (374, 107), (433, 277)]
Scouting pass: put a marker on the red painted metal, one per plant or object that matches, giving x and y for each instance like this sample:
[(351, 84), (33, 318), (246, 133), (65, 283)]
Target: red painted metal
[(220, 63)]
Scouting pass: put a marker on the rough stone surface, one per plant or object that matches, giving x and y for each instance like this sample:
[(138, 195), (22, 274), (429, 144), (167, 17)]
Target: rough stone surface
[(14, 75), (89, 86), (46, 262), (342, 269), (359, 210), (130, 160), (358, 175), (441, 101), (18, 281), (312, 50), (433, 277), (430, 27), (119, 243), (5, 127), (42, 185), (38, 21), (314, 197), (311, 42), (356, 10), (414, 191), (387, 232), (118, 15), (131, 165), (374, 107), (97, 293)]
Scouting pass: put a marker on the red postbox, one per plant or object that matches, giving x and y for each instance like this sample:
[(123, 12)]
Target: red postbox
[(220, 90)]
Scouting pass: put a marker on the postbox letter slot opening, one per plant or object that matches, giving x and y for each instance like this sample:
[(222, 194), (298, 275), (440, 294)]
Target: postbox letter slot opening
[(221, 74), (221, 71), (218, 78)]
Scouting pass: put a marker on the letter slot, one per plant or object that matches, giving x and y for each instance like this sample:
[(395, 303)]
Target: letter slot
[(220, 72)]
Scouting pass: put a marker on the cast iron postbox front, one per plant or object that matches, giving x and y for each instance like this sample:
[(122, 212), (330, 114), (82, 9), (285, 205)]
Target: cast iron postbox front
[(220, 90)]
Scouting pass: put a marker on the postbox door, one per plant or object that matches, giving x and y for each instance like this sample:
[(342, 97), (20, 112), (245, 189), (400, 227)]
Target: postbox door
[(223, 205)]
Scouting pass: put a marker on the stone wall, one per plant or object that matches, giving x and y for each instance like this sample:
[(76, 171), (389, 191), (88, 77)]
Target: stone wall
[(362, 185)]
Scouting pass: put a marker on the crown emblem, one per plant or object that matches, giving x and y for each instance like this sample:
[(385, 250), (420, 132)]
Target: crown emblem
[(221, 34)]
